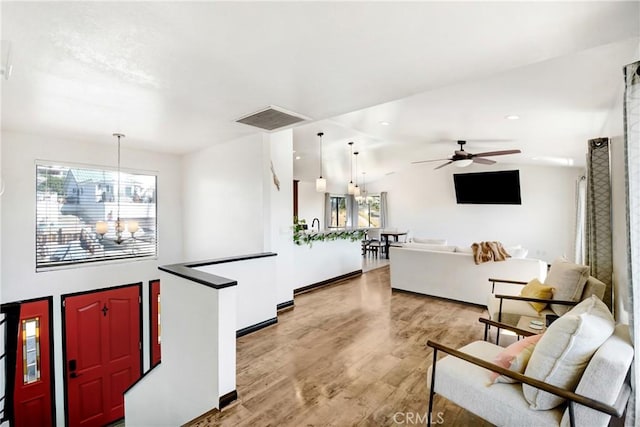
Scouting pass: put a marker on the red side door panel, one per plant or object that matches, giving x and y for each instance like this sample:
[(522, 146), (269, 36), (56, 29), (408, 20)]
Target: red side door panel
[(32, 391)]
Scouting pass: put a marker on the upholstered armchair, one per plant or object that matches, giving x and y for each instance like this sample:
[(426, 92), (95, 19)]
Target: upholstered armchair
[(573, 374), (567, 284)]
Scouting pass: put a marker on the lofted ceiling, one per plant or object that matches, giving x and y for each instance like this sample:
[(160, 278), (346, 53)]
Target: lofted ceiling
[(174, 76)]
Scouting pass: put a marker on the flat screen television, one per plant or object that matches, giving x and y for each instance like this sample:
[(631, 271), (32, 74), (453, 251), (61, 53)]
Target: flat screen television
[(488, 188)]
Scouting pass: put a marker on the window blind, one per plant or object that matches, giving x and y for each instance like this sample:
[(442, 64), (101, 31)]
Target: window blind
[(77, 209)]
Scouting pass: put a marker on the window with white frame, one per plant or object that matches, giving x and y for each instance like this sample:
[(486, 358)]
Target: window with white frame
[(77, 211), (338, 211), (369, 211)]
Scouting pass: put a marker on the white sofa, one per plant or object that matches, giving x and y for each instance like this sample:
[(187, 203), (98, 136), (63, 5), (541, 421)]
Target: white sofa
[(454, 275)]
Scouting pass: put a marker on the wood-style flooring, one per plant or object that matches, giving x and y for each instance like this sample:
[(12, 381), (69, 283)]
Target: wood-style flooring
[(349, 354)]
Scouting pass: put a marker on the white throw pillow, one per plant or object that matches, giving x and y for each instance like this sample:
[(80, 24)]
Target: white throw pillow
[(430, 241), (564, 351), (517, 251), (568, 280), (464, 249)]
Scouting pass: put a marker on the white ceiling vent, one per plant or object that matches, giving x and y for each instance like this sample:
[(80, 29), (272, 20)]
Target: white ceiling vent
[(272, 118)]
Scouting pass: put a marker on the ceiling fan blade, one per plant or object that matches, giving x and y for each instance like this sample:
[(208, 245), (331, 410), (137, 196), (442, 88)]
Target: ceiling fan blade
[(443, 165), (427, 161), (497, 153), (483, 161)]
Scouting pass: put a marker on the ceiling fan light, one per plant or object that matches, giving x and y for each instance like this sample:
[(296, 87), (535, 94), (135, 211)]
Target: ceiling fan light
[(463, 163), (321, 185)]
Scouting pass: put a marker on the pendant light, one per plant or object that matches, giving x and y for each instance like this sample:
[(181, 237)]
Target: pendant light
[(356, 189), (132, 226), (351, 188), (321, 183)]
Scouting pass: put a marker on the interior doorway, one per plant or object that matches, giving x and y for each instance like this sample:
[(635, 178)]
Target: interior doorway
[(102, 352)]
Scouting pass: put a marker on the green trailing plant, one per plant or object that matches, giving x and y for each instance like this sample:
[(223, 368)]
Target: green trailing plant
[(303, 237)]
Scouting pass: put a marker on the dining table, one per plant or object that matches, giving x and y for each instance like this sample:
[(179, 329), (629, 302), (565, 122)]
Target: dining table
[(385, 234)]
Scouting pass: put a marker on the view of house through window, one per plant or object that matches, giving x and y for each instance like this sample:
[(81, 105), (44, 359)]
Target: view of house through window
[(338, 211), (77, 211), (369, 211)]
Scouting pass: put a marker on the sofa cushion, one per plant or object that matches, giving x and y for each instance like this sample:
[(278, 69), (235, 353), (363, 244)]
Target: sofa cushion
[(593, 287), (568, 280), (535, 289), (517, 251), (603, 378), (429, 241), (426, 247), (563, 352), (515, 358), (465, 384)]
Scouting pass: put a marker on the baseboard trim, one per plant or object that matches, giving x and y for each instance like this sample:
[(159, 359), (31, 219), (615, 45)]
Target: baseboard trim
[(253, 328), (436, 297), (326, 282), (284, 305), (226, 399)]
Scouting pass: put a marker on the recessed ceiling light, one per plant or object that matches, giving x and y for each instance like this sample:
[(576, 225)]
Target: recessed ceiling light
[(512, 117), (385, 123), (298, 157)]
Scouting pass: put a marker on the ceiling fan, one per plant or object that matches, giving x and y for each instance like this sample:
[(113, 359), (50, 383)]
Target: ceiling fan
[(464, 158)]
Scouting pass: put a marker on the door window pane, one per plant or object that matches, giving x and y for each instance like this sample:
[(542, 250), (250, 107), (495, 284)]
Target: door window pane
[(31, 349)]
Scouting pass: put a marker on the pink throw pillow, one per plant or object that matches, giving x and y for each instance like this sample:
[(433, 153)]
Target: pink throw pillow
[(515, 358)]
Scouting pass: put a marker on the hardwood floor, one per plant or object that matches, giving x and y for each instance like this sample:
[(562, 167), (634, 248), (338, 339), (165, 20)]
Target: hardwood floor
[(350, 354)]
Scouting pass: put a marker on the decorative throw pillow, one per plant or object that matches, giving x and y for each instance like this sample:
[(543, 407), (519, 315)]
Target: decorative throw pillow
[(535, 289), (563, 352), (517, 252), (515, 358), (568, 280)]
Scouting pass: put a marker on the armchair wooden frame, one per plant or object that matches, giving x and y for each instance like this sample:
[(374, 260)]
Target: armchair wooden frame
[(503, 297), (617, 410)]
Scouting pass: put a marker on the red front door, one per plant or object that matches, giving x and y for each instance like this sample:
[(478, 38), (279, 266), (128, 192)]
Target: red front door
[(102, 332), (32, 391)]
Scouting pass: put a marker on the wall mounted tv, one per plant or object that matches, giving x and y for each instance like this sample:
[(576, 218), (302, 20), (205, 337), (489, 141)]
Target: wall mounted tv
[(488, 188)]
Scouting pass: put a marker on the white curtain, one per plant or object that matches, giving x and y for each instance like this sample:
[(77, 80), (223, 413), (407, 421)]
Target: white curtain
[(384, 213), (352, 211), (581, 204), (327, 210), (632, 151)]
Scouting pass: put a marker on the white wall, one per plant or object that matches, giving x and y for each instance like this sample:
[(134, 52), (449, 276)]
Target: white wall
[(223, 200), (422, 200), (256, 290), (232, 206), (19, 278), (280, 210), (310, 203), (198, 325)]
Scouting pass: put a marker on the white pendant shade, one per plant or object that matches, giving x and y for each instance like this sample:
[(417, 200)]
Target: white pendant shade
[(356, 191), (321, 185), (351, 188)]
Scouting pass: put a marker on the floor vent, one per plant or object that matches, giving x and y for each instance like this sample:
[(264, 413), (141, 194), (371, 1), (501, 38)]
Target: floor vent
[(272, 118)]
